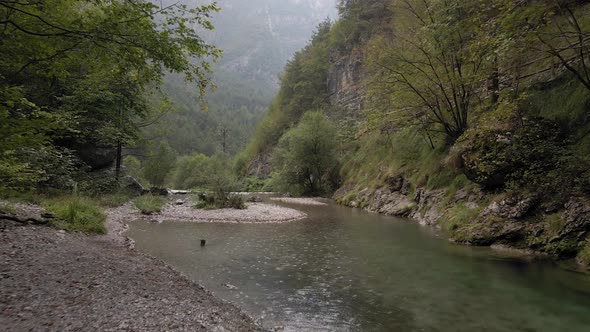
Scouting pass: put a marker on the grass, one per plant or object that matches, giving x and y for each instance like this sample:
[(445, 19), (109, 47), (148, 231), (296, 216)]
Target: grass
[(77, 214), (584, 255), (149, 204), (114, 200), (7, 208), (457, 216)]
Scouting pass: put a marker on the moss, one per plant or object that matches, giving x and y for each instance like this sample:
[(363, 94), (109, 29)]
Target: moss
[(77, 214)]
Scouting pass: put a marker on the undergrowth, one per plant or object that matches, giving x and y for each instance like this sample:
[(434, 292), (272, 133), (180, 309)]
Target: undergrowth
[(77, 214), (149, 204)]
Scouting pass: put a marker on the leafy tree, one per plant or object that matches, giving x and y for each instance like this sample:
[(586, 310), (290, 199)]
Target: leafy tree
[(79, 72), (430, 74), (306, 158), (159, 165)]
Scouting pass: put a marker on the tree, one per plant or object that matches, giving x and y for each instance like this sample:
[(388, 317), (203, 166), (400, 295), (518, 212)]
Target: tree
[(306, 157), (76, 72), (159, 165), (430, 74)]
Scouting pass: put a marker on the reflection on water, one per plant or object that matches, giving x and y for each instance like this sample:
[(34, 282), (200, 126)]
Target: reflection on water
[(344, 269)]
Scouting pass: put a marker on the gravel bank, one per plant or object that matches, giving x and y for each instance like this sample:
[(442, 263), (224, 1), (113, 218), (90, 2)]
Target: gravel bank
[(54, 281), (255, 213)]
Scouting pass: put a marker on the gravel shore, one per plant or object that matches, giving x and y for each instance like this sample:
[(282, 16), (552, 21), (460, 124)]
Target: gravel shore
[(255, 213), (54, 281)]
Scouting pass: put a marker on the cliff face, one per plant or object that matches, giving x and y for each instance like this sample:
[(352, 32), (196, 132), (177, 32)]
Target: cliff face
[(345, 79)]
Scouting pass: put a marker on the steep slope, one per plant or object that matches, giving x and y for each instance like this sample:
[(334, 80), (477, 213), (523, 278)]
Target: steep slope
[(257, 39), (517, 173)]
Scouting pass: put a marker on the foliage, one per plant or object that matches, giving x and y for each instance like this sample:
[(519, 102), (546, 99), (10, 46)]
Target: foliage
[(159, 164), (77, 214), (219, 200), (521, 155), (76, 76), (149, 204), (191, 172), (303, 88), (306, 158)]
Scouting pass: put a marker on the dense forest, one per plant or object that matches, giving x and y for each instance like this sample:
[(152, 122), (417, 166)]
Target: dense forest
[(472, 116)]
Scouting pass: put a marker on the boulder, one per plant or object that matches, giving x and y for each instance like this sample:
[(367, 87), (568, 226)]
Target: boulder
[(511, 207), (131, 185), (577, 219)]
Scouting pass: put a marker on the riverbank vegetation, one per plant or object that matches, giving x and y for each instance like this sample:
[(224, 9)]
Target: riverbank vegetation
[(466, 109)]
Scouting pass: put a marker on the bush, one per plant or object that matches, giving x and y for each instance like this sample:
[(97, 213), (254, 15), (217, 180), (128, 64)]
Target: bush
[(149, 204), (77, 214), (220, 200)]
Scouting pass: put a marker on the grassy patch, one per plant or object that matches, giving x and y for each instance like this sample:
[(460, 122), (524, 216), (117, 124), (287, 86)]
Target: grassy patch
[(554, 222), (7, 208), (149, 204), (457, 216), (584, 254), (114, 200), (77, 214)]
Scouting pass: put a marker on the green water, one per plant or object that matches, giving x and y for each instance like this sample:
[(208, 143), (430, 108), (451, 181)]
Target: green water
[(343, 269)]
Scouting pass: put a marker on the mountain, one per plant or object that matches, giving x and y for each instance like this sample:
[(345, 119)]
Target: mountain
[(257, 39)]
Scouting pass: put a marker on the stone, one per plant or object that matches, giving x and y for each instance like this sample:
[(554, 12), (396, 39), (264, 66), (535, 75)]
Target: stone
[(512, 207), (577, 219), (131, 185), (179, 202)]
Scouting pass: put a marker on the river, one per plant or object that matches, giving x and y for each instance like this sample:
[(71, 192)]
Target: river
[(348, 270)]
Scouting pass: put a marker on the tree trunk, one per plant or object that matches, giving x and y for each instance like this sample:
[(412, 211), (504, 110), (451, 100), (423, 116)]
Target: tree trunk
[(118, 161)]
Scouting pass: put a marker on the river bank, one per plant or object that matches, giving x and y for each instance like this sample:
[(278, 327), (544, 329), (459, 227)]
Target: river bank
[(56, 281), (522, 221)]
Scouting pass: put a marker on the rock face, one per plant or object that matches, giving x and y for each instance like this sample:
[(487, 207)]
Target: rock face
[(512, 207), (344, 79)]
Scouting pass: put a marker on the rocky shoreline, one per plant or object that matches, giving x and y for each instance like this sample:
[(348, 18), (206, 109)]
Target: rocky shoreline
[(517, 221), (54, 281)]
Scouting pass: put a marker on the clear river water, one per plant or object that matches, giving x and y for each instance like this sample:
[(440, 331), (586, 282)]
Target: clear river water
[(347, 270)]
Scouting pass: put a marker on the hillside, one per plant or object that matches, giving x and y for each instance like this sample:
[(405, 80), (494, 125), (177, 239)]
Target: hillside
[(444, 115), (257, 39)]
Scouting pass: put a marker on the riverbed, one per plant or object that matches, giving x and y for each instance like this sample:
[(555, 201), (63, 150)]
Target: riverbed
[(348, 270)]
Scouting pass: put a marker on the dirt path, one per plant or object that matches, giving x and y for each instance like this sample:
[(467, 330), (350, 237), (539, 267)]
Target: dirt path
[(54, 281)]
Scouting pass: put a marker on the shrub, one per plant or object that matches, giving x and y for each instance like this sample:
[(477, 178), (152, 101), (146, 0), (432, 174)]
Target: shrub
[(149, 204), (77, 214), (220, 200)]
